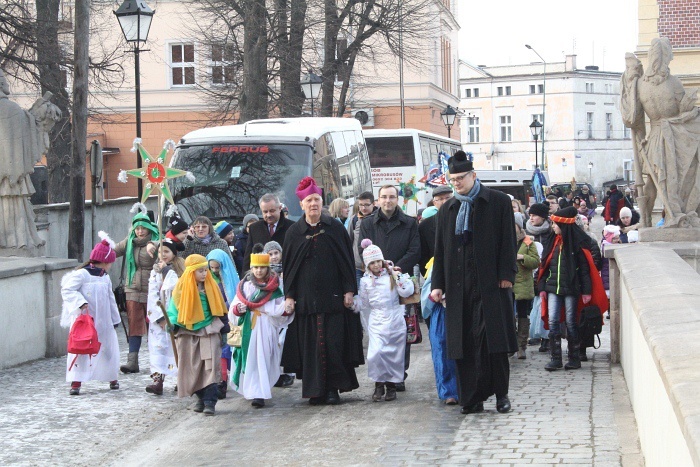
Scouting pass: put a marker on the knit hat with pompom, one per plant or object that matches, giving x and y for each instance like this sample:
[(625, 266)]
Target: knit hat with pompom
[(104, 251), (371, 252)]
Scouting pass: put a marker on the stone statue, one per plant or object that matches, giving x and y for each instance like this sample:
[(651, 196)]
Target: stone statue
[(24, 138), (668, 154)]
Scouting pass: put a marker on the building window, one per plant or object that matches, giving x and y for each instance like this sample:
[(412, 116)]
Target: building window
[(608, 88), (537, 117), (446, 59), (473, 129), (507, 90), (589, 88), (505, 167), (532, 89), (608, 126), (626, 133), (476, 92), (589, 124), (506, 129), (467, 92), (222, 71), (540, 89), (182, 64), (499, 90)]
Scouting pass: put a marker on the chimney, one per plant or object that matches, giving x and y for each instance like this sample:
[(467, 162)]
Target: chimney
[(570, 62)]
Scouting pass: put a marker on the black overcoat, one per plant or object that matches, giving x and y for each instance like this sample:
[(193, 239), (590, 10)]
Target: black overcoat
[(259, 232), (494, 255)]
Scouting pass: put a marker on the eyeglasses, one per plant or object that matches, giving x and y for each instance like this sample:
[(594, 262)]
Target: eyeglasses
[(365, 205), (459, 178), (200, 227)]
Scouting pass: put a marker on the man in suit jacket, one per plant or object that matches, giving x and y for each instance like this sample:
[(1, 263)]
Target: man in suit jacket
[(272, 227)]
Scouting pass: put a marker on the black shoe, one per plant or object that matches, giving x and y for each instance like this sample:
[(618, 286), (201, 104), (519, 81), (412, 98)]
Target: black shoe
[(284, 381), (544, 345), (74, 391), (390, 393), (258, 403), (503, 404), (221, 389), (584, 357), (333, 398), (378, 392), (317, 400), (474, 408), (199, 406), (209, 409), (535, 341), (400, 387), (114, 385)]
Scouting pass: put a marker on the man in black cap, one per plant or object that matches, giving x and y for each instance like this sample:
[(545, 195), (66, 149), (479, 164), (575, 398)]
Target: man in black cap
[(426, 229), (475, 251)]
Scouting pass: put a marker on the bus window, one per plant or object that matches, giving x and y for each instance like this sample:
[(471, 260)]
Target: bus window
[(391, 152)]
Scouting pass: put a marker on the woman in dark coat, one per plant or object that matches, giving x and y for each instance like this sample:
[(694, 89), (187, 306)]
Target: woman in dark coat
[(475, 267), (323, 344)]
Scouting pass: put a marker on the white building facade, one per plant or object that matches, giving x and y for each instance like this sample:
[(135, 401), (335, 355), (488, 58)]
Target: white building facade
[(584, 137)]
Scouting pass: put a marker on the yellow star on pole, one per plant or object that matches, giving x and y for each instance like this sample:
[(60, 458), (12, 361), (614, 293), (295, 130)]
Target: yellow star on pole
[(154, 172)]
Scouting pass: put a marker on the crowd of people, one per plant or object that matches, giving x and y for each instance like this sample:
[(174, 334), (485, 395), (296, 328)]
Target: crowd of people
[(283, 300)]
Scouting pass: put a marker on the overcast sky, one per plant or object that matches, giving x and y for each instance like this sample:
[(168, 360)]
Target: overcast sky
[(494, 32)]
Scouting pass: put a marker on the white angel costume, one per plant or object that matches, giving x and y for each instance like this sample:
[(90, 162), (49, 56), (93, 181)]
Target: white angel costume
[(262, 356), (80, 287), (160, 347), (383, 318)]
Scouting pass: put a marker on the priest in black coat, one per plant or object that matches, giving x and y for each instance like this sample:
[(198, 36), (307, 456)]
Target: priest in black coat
[(323, 345), (475, 253)]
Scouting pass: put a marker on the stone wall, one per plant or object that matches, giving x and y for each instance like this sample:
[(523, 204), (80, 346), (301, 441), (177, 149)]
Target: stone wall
[(655, 324)]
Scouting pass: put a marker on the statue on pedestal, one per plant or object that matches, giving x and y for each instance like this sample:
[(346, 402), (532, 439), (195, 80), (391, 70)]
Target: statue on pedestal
[(24, 138), (668, 155)]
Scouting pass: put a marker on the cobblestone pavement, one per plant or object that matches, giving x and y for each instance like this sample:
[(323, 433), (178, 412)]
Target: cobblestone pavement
[(565, 417)]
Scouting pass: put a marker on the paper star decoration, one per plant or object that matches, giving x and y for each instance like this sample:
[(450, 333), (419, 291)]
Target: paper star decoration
[(154, 172)]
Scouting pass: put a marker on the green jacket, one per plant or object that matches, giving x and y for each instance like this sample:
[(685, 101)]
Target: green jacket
[(524, 287)]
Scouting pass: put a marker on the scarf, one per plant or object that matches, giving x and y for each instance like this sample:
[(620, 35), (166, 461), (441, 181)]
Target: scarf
[(186, 295), (266, 290), (465, 208), (537, 229), (206, 240), (133, 241)]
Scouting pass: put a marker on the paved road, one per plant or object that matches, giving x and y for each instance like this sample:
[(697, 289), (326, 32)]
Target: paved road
[(574, 417)]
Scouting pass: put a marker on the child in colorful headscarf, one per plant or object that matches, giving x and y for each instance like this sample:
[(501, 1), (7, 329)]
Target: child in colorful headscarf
[(259, 306), (198, 312), (226, 276), (139, 251)]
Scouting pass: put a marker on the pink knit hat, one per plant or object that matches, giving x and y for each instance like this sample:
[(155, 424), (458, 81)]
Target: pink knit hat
[(371, 252), (307, 186), (104, 251), (610, 232)]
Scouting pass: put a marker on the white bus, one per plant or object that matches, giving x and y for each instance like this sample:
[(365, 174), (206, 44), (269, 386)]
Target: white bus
[(402, 157), (517, 183), (235, 165)]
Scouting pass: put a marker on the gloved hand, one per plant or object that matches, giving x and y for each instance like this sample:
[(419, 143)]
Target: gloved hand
[(241, 309)]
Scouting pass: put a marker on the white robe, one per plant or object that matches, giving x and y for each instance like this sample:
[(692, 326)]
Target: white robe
[(383, 318), (77, 288), (160, 349), (262, 368)]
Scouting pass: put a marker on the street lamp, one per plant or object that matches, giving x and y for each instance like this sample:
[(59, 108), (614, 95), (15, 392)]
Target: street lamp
[(448, 118), (135, 21), (590, 171), (544, 94), (535, 129), (311, 87)]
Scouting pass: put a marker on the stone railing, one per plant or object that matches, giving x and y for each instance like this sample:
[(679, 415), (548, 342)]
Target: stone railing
[(655, 335)]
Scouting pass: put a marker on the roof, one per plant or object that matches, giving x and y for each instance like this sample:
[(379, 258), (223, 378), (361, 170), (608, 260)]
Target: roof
[(290, 129)]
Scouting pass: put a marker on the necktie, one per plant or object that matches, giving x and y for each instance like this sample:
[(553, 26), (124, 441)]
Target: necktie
[(272, 230)]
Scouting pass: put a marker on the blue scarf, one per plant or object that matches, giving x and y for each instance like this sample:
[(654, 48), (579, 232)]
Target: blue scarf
[(465, 209)]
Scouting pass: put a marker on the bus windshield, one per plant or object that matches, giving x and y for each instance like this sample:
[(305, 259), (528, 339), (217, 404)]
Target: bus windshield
[(230, 178), (394, 151)]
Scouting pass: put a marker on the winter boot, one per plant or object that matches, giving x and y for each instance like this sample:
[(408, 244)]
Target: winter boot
[(132, 363), (390, 392), (574, 362), (582, 353), (523, 333), (379, 392), (555, 363), (157, 386), (544, 345), (114, 385), (75, 388), (221, 389)]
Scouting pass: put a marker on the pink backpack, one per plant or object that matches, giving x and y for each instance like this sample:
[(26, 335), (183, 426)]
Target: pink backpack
[(82, 339)]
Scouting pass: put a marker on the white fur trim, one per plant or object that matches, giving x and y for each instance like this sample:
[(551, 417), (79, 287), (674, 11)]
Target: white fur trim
[(137, 142), (139, 206), (172, 209), (105, 236), (169, 144), (122, 177)]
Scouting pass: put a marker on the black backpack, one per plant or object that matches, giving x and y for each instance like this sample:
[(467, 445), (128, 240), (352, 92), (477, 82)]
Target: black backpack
[(590, 324)]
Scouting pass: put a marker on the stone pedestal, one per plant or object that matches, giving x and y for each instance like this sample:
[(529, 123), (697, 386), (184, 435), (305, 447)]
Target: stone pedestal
[(660, 234)]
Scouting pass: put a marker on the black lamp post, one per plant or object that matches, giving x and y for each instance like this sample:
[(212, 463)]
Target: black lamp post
[(311, 87), (135, 21), (535, 129), (448, 118)]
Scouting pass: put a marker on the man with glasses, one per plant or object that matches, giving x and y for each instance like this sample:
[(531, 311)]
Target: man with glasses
[(474, 266), (367, 207), (553, 203)]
